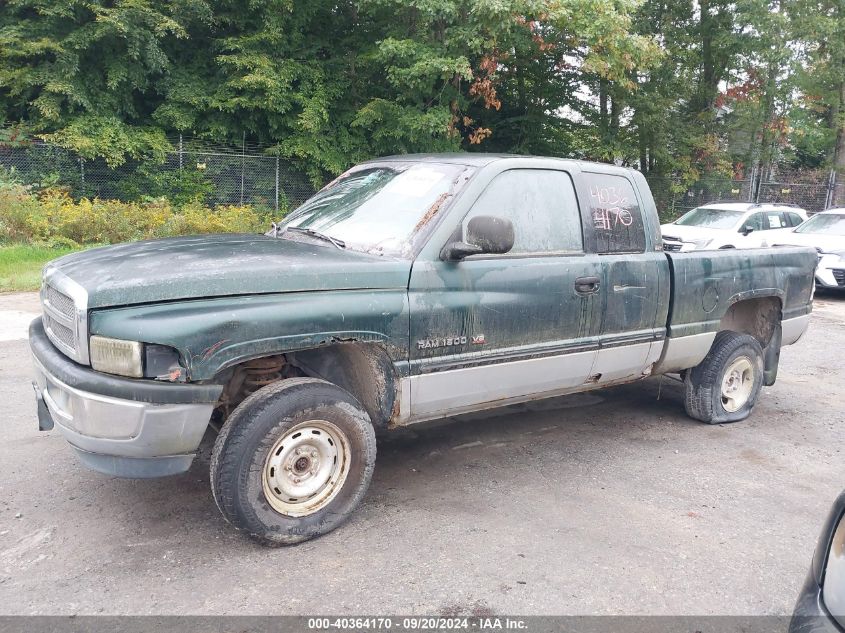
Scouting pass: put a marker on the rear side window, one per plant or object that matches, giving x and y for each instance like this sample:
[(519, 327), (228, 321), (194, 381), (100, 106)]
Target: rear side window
[(616, 214), (776, 220), (794, 219)]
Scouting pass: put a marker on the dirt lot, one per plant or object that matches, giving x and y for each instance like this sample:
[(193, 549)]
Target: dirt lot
[(610, 502)]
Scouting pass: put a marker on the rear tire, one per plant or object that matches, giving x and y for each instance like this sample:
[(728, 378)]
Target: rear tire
[(724, 387), (293, 461)]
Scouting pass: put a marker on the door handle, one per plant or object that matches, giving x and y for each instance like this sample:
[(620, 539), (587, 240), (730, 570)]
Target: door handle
[(587, 285)]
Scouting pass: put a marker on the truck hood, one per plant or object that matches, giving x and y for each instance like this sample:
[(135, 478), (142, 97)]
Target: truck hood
[(221, 265), (826, 243)]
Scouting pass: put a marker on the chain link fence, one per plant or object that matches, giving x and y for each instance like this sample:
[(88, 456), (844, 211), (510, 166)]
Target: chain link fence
[(813, 191), (223, 175), (674, 199), (195, 170)]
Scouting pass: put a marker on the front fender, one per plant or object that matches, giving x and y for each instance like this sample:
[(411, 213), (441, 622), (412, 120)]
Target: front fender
[(213, 334)]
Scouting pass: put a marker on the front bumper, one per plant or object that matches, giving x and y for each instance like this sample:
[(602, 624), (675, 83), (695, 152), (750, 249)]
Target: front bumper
[(119, 426), (830, 273), (825, 279)]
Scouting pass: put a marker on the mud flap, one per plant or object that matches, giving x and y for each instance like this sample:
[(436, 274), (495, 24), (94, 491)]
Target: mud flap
[(771, 357), (45, 420)]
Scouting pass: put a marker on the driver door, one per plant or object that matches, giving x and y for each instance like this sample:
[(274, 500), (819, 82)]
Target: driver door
[(491, 329)]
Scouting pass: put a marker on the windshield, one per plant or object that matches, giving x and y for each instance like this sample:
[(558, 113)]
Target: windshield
[(711, 218), (379, 209), (829, 224)]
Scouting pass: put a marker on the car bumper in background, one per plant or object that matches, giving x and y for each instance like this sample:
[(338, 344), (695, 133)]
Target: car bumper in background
[(118, 426), (830, 273), (831, 278)]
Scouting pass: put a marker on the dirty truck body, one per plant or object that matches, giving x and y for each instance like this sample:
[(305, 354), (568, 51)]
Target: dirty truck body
[(510, 279)]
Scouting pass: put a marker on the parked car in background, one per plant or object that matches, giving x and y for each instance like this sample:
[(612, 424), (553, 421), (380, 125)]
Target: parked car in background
[(821, 604), (730, 225), (825, 232)]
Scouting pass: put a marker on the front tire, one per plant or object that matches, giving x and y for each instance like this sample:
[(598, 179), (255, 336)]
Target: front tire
[(293, 461), (724, 387)]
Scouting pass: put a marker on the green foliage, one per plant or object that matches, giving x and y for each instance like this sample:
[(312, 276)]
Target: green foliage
[(179, 186), (677, 88), (51, 218)]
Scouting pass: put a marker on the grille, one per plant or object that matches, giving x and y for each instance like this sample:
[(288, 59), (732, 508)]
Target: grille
[(60, 302), (60, 331), (671, 247), (61, 320), (839, 275)]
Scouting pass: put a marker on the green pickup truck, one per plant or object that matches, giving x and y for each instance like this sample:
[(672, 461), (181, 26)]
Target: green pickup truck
[(410, 288)]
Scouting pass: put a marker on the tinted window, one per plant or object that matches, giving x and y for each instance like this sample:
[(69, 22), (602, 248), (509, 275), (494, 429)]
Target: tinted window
[(758, 222), (542, 206), (616, 214), (794, 219)]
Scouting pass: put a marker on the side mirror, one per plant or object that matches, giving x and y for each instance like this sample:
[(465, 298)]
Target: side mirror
[(484, 234), (747, 229)]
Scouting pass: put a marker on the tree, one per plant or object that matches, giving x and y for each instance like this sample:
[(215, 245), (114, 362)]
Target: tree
[(819, 27), (679, 89), (84, 73)]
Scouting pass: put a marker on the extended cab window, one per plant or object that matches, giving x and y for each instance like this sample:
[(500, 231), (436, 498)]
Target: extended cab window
[(542, 206), (617, 217)]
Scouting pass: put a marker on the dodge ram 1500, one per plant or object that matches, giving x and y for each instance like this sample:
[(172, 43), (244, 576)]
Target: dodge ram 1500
[(410, 288)]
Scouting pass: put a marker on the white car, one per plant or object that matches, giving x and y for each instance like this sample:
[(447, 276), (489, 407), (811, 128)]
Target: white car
[(731, 225), (824, 231)]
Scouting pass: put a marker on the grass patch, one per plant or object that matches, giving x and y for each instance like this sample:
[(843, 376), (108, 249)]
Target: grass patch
[(21, 264)]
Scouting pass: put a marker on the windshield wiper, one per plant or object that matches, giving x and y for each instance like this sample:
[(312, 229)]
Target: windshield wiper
[(320, 236)]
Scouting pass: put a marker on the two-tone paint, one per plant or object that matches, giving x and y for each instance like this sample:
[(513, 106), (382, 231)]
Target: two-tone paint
[(518, 327)]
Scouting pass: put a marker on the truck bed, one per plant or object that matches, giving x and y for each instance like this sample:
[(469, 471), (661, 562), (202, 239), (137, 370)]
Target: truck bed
[(706, 285)]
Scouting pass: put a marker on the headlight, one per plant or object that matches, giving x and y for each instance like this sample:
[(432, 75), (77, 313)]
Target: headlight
[(114, 356), (833, 591), (702, 243), (827, 260)]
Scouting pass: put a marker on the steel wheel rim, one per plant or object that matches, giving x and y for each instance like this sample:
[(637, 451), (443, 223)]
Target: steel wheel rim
[(737, 384), (306, 468)]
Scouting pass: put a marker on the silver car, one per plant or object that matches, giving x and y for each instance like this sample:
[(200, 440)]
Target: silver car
[(825, 232)]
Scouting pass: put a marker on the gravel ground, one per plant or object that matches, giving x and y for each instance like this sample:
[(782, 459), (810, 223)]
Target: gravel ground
[(611, 502)]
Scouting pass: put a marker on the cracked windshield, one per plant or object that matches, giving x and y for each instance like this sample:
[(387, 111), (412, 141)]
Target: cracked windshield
[(378, 209)]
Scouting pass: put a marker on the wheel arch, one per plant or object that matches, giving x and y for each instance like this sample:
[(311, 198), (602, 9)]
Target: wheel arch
[(758, 316), (761, 318), (363, 369), (755, 314)]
